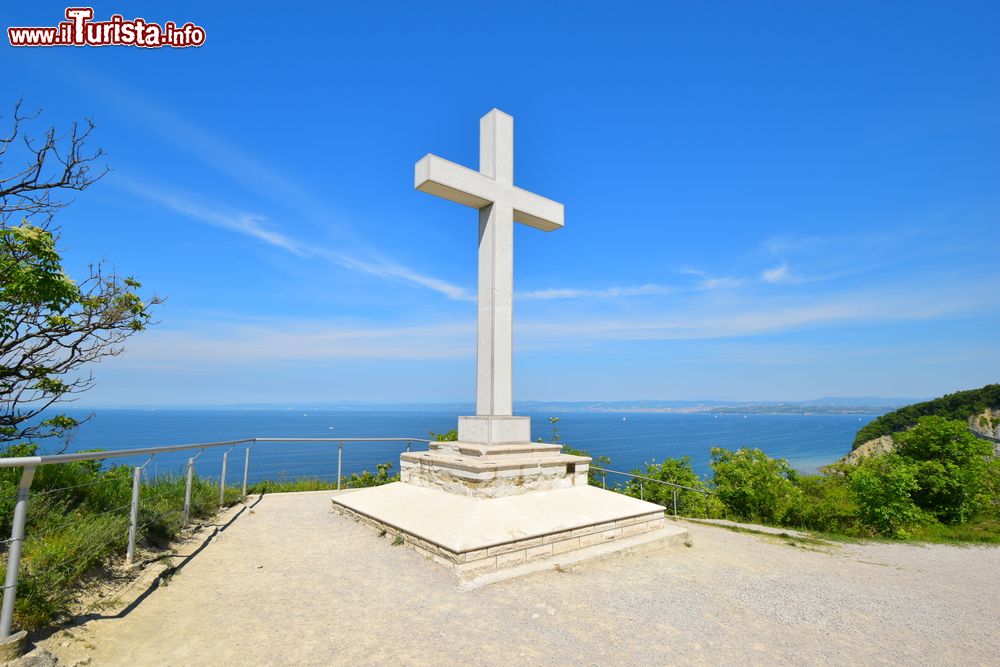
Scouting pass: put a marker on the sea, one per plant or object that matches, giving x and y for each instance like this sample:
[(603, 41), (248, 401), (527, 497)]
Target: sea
[(630, 440)]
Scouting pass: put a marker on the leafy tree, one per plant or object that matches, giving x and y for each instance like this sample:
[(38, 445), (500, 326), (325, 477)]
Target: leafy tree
[(52, 327), (752, 485), (883, 487), (950, 463)]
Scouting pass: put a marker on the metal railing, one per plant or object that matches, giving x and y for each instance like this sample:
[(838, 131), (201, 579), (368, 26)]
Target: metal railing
[(643, 479), (31, 463)]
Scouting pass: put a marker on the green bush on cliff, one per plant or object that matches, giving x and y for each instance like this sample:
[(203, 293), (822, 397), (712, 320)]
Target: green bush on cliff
[(950, 467)]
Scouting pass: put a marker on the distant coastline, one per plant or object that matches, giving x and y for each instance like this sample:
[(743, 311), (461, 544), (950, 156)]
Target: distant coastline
[(752, 409), (820, 406)]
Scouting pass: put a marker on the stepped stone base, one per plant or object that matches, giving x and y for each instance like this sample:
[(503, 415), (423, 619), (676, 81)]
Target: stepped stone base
[(475, 536), (493, 471)]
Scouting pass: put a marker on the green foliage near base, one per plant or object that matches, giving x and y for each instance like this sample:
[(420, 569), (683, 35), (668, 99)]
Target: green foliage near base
[(353, 481), (674, 471), (941, 483)]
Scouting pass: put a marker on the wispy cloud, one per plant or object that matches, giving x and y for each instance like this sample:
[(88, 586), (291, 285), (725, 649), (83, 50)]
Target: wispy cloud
[(711, 282), (602, 293), (279, 341), (299, 340), (762, 317), (778, 274), (256, 226), (260, 178)]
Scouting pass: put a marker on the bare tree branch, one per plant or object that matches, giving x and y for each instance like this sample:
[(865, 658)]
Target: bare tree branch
[(51, 328)]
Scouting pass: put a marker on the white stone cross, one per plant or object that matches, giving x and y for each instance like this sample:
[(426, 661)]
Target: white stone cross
[(491, 190)]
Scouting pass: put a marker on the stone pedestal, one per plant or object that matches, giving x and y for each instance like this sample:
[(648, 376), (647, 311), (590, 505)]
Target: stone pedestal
[(494, 430), (493, 471), (493, 458)]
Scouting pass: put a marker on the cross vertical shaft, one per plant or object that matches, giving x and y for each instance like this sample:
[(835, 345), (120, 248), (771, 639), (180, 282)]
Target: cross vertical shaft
[(495, 321), (491, 191)]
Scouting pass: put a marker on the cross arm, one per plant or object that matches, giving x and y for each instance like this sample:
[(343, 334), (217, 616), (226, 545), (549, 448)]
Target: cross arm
[(454, 182), (459, 184), (536, 211)]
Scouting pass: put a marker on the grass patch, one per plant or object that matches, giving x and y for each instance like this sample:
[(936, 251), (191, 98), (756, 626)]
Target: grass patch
[(78, 523), (979, 532)]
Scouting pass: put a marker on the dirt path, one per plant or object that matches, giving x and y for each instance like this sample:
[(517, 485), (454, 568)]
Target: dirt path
[(295, 584)]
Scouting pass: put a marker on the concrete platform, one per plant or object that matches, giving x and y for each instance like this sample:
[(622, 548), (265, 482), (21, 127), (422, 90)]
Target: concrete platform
[(476, 535)]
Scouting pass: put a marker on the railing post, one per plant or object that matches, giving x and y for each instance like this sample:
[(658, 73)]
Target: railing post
[(642, 496), (187, 491), (408, 446), (222, 479), (14, 552), (675, 502), (340, 460), (133, 517), (604, 482), (246, 470)]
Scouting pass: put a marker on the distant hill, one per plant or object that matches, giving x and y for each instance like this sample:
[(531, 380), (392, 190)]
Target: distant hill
[(962, 405)]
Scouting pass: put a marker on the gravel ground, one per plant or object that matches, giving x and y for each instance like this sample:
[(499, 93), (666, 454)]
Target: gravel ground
[(293, 583)]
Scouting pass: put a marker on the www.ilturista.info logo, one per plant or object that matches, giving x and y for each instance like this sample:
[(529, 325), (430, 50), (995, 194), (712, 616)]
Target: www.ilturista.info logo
[(81, 30)]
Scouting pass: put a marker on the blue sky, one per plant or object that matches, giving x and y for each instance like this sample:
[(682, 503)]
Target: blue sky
[(764, 201)]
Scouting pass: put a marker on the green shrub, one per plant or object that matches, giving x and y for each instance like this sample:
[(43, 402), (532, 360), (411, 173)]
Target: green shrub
[(365, 478), (753, 486), (675, 471), (989, 489), (882, 487), (950, 466), (824, 503)]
